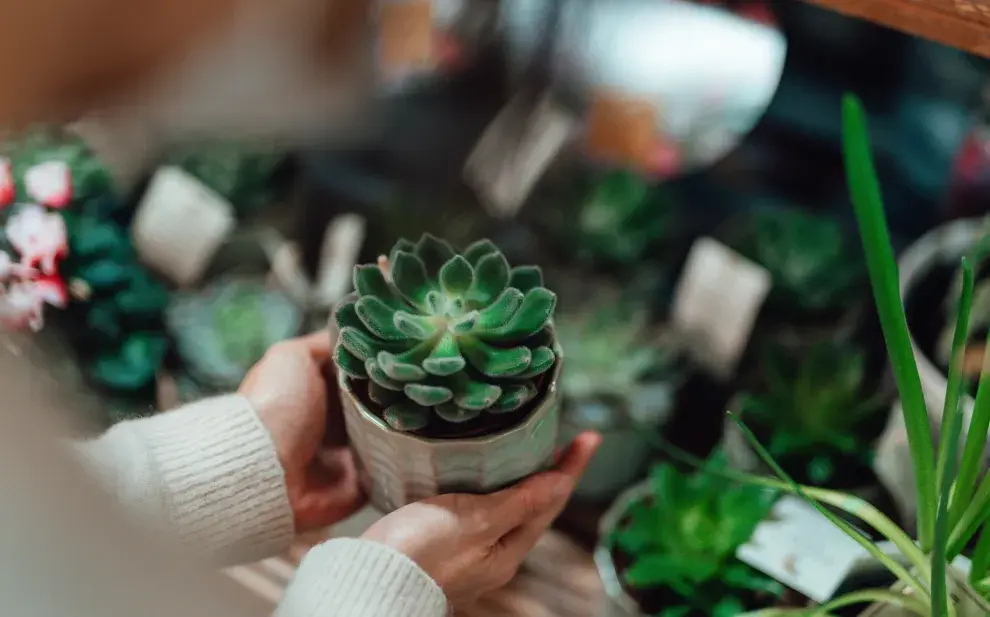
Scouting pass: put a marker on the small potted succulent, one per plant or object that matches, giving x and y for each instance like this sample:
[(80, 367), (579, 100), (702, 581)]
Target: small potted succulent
[(621, 380), (818, 411), (668, 547), (448, 368), (819, 276)]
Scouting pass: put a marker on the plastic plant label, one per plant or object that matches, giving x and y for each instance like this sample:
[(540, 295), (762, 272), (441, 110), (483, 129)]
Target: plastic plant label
[(621, 129), (716, 303), (179, 225), (802, 549), (515, 151), (338, 255), (406, 40)]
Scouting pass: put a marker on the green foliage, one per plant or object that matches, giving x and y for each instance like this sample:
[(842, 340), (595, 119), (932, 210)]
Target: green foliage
[(240, 173), (40, 145), (458, 334), (119, 316), (684, 537), (222, 331), (815, 406), (619, 219), (812, 265)]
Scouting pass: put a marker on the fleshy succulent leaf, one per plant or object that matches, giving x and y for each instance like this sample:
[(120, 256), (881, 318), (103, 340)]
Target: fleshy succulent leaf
[(412, 326), (434, 302), (401, 245), (445, 359), (479, 249), (399, 371), (525, 278), (380, 395), (475, 395), (427, 395), (499, 312), (409, 277), (377, 375), (456, 415), (349, 364), (465, 323), (534, 313), (543, 359), (513, 398), (358, 343), (378, 318), (495, 362), (434, 253), (346, 316), (456, 276), (407, 416), (369, 280), (491, 275)]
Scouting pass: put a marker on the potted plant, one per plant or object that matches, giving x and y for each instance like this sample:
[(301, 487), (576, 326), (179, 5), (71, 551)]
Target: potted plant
[(818, 277), (668, 547), (448, 367), (620, 380), (953, 508), (818, 412)]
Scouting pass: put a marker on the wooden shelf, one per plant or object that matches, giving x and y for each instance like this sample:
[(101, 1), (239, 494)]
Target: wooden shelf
[(964, 24)]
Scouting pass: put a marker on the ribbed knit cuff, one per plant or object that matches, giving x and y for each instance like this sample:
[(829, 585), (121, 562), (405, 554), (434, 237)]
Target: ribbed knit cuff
[(221, 478), (353, 577)]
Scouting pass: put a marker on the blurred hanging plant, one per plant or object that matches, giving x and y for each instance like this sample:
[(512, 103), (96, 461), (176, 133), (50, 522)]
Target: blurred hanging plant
[(222, 331), (815, 409), (813, 267), (683, 536), (242, 173)]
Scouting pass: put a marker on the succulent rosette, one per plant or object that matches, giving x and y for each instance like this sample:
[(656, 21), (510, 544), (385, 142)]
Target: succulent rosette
[(442, 336)]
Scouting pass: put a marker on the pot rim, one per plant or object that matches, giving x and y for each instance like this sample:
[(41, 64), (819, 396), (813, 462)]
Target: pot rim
[(549, 395), (604, 563)]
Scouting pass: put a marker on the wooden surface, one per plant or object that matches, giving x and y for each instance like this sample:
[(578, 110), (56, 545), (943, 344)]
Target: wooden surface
[(964, 24)]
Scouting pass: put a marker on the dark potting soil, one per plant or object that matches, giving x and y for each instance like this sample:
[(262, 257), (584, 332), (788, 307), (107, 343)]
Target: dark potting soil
[(485, 424)]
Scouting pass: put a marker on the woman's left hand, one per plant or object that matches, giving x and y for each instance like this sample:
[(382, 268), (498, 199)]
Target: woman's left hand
[(294, 392)]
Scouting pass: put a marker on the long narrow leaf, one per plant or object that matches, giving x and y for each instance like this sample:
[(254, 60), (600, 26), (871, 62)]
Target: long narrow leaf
[(864, 190), (859, 508), (948, 446), (976, 443), (888, 562), (980, 567), (869, 596), (975, 515)]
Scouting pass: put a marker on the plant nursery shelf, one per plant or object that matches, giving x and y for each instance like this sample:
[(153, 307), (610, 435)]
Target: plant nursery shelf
[(964, 24)]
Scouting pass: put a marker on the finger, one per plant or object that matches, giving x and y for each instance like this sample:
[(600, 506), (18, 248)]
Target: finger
[(516, 544), (333, 491), (319, 344), (544, 494)]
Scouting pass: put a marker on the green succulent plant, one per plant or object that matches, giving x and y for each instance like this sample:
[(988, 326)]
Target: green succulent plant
[(446, 334), (683, 539), (224, 330), (812, 265), (816, 408)]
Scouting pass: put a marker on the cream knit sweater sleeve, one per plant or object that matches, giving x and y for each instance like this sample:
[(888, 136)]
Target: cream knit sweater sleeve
[(208, 474)]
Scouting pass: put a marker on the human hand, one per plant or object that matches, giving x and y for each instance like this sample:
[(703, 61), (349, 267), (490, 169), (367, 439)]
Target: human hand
[(473, 544), (293, 391)]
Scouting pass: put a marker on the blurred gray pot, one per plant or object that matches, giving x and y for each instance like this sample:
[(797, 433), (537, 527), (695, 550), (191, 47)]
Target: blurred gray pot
[(397, 468), (709, 73)]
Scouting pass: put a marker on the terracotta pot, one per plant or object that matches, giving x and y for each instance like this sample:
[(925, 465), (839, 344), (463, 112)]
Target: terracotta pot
[(397, 468)]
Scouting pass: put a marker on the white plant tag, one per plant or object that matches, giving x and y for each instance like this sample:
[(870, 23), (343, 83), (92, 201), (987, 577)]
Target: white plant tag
[(505, 166), (179, 225), (716, 304), (893, 466), (339, 253), (802, 549)]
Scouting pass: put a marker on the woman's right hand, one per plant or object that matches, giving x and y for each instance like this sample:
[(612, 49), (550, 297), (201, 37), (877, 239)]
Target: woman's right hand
[(473, 544)]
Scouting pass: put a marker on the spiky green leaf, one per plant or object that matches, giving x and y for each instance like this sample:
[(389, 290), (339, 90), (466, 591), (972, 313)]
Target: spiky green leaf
[(397, 370), (493, 361), (434, 253), (410, 279), (369, 280), (491, 276), (445, 358), (349, 364), (378, 318), (499, 312), (543, 359), (413, 326), (534, 313), (377, 375)]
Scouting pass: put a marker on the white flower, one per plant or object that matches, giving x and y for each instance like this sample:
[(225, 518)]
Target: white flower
[(22, 307), (39, 236), (50, 183)]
